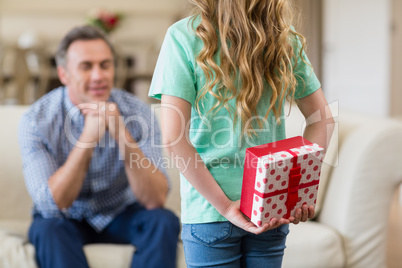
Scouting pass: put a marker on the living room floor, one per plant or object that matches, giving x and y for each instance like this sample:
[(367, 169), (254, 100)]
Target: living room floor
[(394, 253)]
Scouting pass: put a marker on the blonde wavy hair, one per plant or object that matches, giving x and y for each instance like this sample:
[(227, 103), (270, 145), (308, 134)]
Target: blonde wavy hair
[(256, 42)]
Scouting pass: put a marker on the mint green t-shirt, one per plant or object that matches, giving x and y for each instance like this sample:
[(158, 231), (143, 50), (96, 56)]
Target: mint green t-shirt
[(215, 136)]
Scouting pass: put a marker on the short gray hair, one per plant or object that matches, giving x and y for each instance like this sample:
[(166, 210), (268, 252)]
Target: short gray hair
[(85, 32)]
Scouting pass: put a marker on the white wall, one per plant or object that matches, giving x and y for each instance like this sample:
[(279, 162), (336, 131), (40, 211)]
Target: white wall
[(51, 19), (356, 54), (142, 29), (396, 80)]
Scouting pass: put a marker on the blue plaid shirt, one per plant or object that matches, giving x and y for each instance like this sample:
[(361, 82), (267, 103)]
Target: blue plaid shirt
[(47, 134)]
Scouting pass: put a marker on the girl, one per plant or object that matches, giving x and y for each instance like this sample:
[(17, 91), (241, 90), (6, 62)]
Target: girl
[(223, 76)]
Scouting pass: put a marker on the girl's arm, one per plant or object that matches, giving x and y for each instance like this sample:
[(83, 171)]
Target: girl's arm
[(176, 113), (320, 125)]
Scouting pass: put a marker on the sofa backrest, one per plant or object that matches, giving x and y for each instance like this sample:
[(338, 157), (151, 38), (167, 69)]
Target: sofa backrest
[(15, 202)]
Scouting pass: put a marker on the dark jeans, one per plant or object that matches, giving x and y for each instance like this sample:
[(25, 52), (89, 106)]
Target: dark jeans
[(59, 242)]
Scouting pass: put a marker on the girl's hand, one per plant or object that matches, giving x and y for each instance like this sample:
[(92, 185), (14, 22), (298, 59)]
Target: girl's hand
[(303, 214), (235, 216)]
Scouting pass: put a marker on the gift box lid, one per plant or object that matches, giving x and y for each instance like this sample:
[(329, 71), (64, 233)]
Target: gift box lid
[(278, 146)]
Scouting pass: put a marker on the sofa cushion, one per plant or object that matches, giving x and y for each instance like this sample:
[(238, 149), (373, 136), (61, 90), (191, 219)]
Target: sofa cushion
[(116, 256), (314, 244), (15, 251), (109, 255)]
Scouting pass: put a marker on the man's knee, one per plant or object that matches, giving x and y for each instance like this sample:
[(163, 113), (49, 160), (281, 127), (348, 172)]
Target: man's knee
[(169, 220), (165, 219), (49, 229)]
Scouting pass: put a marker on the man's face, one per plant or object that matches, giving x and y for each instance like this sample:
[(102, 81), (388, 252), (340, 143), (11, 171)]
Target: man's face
[(89, 71)]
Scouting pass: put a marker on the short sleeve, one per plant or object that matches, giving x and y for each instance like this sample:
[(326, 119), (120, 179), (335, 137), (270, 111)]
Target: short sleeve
[(174, 72), (307, 81)]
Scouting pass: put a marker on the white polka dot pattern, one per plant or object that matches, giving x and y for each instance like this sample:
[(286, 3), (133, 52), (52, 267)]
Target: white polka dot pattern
[(272, 175)]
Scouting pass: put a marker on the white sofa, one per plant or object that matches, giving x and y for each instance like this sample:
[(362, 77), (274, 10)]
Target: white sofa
[(354, 199)]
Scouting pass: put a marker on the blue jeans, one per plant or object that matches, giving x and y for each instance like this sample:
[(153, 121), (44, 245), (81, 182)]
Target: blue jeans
[(222, 244), (59, 241)]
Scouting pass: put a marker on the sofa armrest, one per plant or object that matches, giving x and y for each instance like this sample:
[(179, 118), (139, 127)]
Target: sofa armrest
[(360, 190)]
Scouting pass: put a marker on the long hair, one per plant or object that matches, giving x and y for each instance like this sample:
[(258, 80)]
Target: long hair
[(257, 48)]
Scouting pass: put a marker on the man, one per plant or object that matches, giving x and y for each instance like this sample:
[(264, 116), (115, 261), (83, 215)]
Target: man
[(77, 143)]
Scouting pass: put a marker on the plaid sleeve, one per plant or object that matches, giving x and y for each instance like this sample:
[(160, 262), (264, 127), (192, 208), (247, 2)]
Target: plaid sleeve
[(38, 166)]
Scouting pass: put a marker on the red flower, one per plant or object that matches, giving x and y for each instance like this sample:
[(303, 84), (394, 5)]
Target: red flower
[(104, 19)]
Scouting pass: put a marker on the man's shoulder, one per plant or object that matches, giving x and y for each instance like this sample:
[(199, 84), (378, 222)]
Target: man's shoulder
[(47, 107)]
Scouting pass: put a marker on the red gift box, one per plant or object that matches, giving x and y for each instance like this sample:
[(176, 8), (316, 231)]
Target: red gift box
[(280, 177)]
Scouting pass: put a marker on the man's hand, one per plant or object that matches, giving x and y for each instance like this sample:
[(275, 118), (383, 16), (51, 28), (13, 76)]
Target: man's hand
[(105, 116), (114, 120), (95, 125)]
